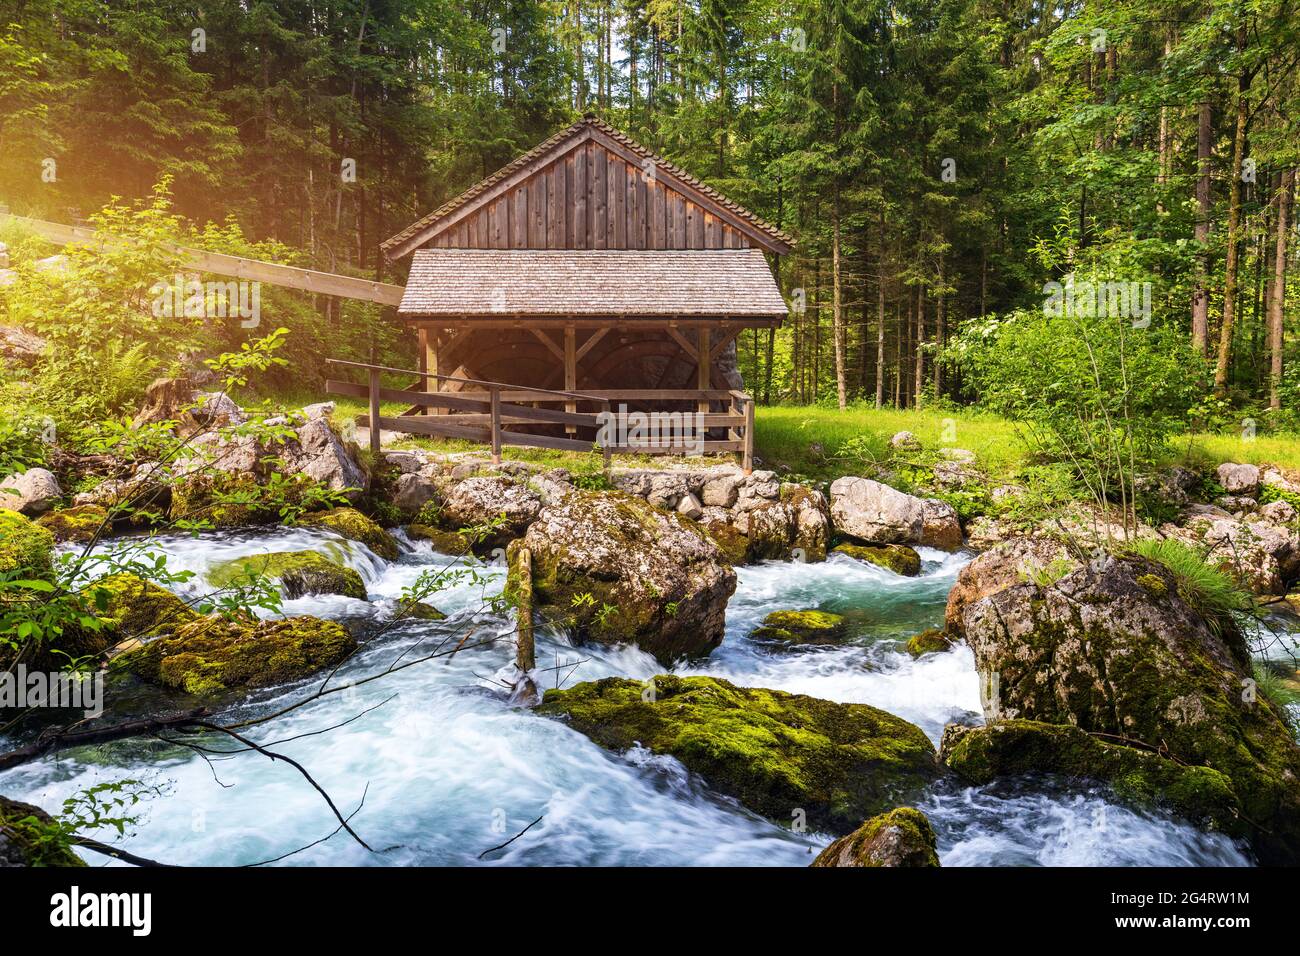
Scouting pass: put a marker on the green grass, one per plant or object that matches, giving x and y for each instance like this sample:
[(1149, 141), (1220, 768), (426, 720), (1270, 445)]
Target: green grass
[(812, 441), (1280, 450), (823, 443), (1210, 591)]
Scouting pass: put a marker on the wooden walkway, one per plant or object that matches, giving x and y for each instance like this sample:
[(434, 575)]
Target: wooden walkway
[(253, 270)]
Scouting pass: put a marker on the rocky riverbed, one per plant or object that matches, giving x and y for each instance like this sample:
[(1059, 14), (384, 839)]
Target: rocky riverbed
[(729, 668)]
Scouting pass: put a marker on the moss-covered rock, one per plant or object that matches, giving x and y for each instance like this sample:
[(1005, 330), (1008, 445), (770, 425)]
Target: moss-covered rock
[(28, 837), (222, 500), (444, 542), (24, 545), (776, 753), (612, 568), (419, 611), (802, 627), (79, 524), (1102, 650), (299, 573), (733, 545), (353, 525), (901, 837), (930, 641), (898, 558), (130, 606), (1144, 778), (212, 656)]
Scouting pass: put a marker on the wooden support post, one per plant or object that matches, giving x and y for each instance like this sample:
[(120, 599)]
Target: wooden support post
[(747, 462), (570, 371), (429, 363), (495, 394), (703, 380), (374, 412)]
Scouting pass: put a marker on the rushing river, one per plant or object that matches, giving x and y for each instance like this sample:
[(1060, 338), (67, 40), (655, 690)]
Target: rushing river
[(439, 768)]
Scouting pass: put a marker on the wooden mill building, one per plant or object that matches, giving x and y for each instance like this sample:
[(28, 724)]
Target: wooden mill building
[(590, 264)]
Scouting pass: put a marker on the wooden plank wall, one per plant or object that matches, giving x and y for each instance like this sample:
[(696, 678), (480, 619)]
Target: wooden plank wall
[(592, 199)]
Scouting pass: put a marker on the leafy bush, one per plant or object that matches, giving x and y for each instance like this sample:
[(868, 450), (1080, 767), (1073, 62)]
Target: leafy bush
[(1100, 393)]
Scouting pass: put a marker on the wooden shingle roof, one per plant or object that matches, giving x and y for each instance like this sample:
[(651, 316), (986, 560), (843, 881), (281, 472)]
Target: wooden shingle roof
[(587, 130), (706, 283)]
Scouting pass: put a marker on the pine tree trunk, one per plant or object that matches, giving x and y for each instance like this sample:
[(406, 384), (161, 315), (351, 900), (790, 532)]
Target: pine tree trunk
[(1234, 222), (1277, 300), (1201, 297), (837, 307)]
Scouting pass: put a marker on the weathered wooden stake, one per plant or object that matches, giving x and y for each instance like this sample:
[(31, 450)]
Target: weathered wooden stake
[(374, 412), (525, 650)]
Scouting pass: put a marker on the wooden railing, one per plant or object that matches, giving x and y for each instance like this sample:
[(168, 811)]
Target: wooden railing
[(483, 411)]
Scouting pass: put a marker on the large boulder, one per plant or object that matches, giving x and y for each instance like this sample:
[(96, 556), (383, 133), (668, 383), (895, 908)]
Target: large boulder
[(1239, 479), (1114, 649), (211, 656), (901, 837), (796, 525), (874, 513), (20, 346), (33, 492), (299, 573), (777, 753), (1262, 554), (411, 491), (504, 505), (1006, 564), (1145, 778), (614, 569), (940, 526), (322, 456)]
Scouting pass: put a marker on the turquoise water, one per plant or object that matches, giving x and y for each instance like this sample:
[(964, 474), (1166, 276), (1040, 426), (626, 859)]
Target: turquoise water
[(439, 767)]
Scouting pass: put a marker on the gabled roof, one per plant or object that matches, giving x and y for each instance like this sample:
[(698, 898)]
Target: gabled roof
[(700, 283), (586, 129)]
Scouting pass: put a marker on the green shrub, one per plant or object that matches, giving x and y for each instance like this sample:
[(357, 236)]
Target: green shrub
[(1210, 591)]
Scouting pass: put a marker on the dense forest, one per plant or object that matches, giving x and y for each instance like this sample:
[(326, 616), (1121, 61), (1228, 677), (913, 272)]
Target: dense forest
[(940, 162)]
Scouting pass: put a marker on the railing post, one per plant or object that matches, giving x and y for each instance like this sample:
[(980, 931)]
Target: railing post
[(495, 394), (374, 412), (747, 462), (606, 446)]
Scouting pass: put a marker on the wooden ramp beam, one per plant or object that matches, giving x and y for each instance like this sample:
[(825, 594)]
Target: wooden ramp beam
[(254, 270)]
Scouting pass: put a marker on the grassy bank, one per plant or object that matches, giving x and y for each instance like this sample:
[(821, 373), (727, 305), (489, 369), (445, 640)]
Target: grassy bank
[(823, 443)]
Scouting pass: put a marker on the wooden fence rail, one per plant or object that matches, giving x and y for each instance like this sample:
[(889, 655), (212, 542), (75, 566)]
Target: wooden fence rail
[(483, 411)]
